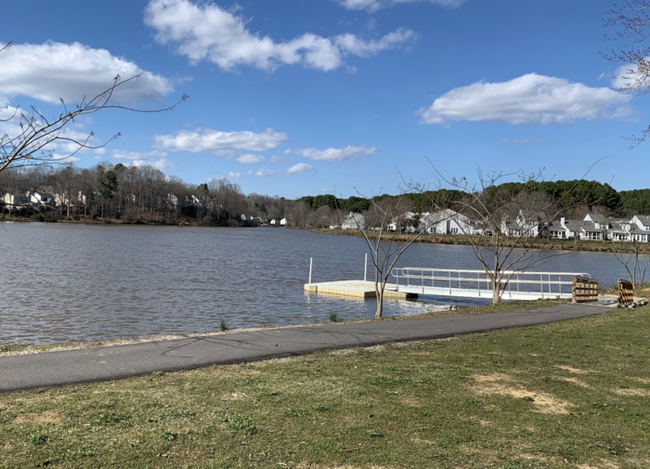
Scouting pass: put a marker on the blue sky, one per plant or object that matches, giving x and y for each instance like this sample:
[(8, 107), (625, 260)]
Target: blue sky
[(301, 97)]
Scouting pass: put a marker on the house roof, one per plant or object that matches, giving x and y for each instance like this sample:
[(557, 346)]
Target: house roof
[(596, 218), (644, 219)]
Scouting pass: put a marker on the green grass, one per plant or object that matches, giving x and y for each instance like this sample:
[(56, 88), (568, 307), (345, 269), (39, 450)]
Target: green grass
[(572, 394)]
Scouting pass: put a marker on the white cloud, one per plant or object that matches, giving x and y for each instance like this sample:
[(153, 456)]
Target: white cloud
[(53, 70), (529, 99), (162, 164), (250, 159), (236, 176), (64, 158), (206, 31), (7, 112), (136, 155), (150, 158), (300, 168), (632, 77), (333, 154), (202, 140), (516, 141), (356, 46), (374, 5), (264, 172)]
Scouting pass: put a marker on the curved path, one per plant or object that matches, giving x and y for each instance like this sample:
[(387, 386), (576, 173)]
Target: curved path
[(22, 372)]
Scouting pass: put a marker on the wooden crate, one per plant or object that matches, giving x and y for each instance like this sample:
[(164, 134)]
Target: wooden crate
[(584, 289), (625, 293)]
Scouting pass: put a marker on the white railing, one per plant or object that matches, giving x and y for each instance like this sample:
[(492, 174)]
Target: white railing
[(476, 283)]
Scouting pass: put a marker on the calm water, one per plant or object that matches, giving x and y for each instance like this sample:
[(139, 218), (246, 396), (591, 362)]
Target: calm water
[(65, 283)]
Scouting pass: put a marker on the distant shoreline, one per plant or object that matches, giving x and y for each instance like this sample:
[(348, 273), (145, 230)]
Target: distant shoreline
[(442, 239), (461, 240), (97, 221)]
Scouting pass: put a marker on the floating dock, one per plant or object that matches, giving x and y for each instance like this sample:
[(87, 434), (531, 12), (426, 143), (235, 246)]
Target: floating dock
[(357, 289)]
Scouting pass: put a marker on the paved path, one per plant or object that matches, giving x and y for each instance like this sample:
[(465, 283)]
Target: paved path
[(49, 369)]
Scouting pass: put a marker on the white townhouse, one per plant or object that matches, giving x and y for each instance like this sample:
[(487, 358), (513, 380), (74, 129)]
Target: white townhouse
[(402, 222), (448, 222), (526, 224), (601, 228), (642, 221), (592, 227), (353, 221)]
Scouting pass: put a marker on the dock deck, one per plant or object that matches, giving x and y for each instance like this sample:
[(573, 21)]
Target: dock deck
[(357, 289)]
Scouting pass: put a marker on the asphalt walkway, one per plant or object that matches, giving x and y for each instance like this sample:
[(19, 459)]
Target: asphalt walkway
[(22, 372)]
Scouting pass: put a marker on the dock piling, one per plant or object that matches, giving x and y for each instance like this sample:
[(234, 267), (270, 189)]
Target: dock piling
[(311, 263)]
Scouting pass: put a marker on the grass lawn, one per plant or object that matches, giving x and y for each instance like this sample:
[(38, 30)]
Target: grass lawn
[(573, 394)]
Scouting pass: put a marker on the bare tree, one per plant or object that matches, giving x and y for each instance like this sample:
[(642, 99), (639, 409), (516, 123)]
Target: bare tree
[(631, 22), (633, 256), (297, 214), (35, 135), (383, 217), (502, 224)]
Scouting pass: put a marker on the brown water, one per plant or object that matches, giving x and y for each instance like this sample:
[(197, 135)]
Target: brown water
[(65, 283)]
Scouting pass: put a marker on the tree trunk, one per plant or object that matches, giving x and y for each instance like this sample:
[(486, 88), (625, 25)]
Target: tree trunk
[(496, 290), (380, 303)]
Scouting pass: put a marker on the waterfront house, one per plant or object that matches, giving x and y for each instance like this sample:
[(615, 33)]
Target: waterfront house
[(41, 199), (405, 222), (12, 201), (641, 221), (353, 221), (527, 224), (449, 222)]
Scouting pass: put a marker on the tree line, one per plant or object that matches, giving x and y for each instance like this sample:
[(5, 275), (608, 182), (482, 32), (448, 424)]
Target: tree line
[(145, 194), (575, 197), (134, 194)]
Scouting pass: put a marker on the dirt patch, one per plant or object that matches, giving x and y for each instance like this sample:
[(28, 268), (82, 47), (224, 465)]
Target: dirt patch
[(235, 396), (421, 442), (632, 392), (307, 465), (575, 381), (343, 351), (45, 417), (375, 348), (503, 385), (576, 371), (411, 402), (489, 455), (274, 361), (640, 380), (601, 465)]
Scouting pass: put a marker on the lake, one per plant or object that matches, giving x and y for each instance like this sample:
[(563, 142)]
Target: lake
[(68, 283)]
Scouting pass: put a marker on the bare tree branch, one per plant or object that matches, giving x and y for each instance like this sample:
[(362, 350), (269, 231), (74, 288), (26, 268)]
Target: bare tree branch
[(36, 134), (631, 22)]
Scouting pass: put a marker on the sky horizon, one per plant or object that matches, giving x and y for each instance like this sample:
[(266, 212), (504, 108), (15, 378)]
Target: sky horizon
[(346, 97)]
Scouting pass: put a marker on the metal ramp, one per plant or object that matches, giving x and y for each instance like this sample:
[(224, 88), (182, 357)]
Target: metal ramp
[(476, 283)]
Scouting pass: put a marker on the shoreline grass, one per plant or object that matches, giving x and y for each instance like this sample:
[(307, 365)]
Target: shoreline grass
[(571, 394)]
